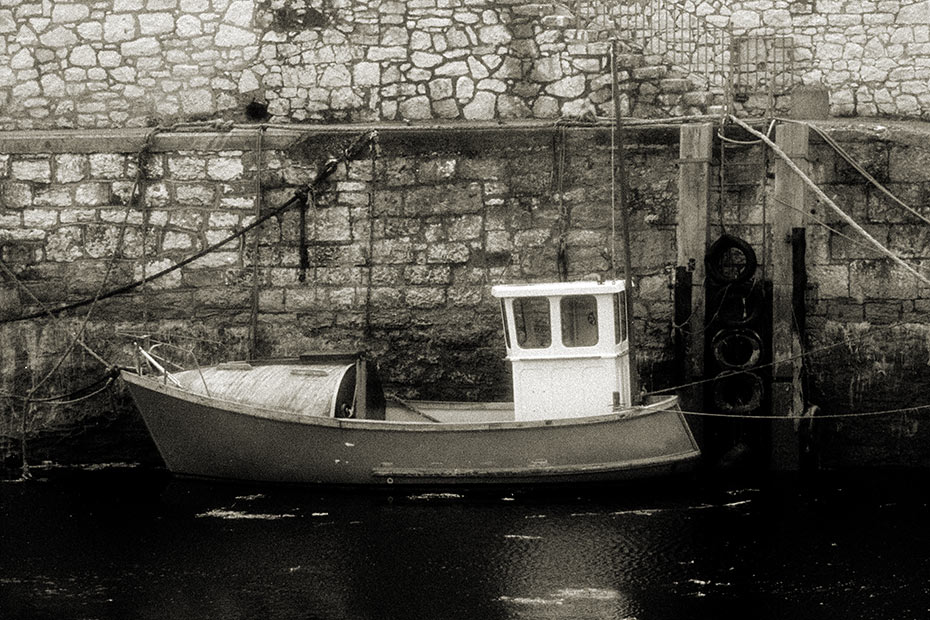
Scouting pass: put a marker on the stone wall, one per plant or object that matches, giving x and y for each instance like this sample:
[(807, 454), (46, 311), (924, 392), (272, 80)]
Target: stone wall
[(119, 63), (870, 318), (868, 321), (873, 57), (401, 248)]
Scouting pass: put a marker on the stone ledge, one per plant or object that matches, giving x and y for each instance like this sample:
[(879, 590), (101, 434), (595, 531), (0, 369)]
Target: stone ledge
[(26, 142)]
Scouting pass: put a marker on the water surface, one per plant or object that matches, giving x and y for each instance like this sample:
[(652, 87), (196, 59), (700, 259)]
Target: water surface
[(131, 542)]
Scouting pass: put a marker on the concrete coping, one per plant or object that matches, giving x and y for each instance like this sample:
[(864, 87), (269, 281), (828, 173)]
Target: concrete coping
[(206, 137)]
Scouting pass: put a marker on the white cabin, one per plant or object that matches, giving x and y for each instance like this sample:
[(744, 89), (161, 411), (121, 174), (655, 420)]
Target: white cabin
[(567, 344)]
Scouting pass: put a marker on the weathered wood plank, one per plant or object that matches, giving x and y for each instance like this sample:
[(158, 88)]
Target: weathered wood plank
[(696, 152)]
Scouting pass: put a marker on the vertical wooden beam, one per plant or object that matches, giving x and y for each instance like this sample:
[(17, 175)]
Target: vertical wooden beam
[(788, 219), (696, 152)]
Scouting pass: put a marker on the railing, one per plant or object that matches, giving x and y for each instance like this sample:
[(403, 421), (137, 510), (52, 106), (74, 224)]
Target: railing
[(751, 68)]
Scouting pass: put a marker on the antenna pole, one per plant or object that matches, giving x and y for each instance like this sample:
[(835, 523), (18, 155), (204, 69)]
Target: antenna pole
[(620, 190)]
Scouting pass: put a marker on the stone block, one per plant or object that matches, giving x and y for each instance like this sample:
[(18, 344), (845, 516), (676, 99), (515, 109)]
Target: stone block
[(649, 73), (216, 259), (107, 165), (437, 170), (38, 169), (53, 196), (195, 194), (92, 194), (397, 251), (464, 227), (224, 168), (69, 168), (909, 164), (16, 195), (185, 167), (444, 199), (332, 224), (831, 281), (156, 194), (44, 219), (427, 274), (882, 312), (909, 240), (174, 240), (424, 297), (447, 253), (847, 244), (64, 244), (22, 234), (223, 220), (101, 241), (881, 280)]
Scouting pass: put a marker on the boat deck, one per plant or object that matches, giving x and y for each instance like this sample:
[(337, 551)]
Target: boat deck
[(431, 412)]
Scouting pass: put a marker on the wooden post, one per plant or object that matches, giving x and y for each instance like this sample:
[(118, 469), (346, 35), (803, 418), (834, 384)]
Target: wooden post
[(696, 152), (788, 220)]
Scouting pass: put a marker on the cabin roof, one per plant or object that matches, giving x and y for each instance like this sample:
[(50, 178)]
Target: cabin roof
[(548, 289)]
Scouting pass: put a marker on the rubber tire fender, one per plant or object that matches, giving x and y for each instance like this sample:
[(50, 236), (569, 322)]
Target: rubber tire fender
[(713, 260), (736, 305), (737, 392), (737, 349)]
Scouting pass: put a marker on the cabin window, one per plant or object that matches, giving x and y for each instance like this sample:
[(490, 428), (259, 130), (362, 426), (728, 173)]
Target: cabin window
[(579, 321), (504, 318), (619, 317), (531, 318)]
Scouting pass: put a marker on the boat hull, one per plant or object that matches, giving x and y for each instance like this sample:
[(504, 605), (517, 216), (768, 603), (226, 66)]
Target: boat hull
[(205, 437)]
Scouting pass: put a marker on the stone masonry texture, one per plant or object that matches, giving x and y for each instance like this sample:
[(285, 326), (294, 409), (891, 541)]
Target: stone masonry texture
[(401, 248), (403, 244), (119, 63), (108, 174)]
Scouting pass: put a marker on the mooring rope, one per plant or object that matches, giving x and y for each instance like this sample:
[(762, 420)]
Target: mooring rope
[(805, 417), (253, 315), (785, 360), (858, 167), (826, 200), (328, 168)]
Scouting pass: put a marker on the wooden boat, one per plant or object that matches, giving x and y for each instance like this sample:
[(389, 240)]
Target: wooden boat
[(323, 419)]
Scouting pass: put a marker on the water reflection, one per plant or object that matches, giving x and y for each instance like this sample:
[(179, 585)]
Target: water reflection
[(132, 543)]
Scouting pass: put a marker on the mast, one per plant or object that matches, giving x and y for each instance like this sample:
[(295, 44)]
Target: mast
[(619, 181)]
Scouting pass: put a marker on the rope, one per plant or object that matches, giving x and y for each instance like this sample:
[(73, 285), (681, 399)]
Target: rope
[(146, 213), (826, 199), (784, 360), (826, 416), (721, 175), (561, 261), (371, 236), (858, 167), (72, 396), (325, 172), (253, 314)]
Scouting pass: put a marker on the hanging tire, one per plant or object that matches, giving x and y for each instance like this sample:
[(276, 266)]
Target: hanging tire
[(736, 305), (737, 349), (730, 260), (738, 392)]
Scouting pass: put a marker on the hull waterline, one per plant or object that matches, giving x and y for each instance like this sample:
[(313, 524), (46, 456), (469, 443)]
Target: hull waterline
[(208, 437)]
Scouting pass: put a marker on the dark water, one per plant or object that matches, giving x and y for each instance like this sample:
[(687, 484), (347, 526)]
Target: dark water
[(132, 543)]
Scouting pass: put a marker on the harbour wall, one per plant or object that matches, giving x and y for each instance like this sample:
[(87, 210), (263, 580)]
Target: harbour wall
[(137, 63), (396, 250)]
